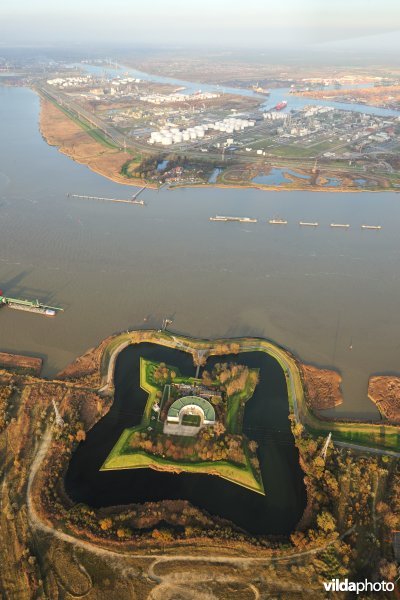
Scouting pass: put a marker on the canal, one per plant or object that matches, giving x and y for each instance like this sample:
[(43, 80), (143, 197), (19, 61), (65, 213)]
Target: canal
[(265, 420)]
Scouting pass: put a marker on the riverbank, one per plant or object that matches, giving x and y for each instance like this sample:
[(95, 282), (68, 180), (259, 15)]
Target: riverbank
[(379, 96), (377, 435), (384, 391), (58, 129), (75, 536), (87, 146), (322, 387), (20, 363)]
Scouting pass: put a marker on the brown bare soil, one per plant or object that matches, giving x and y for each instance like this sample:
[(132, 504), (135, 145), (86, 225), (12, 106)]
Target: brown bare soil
[(375, 96), (17, 361), (59, 130), (384, 391), (322, 387)]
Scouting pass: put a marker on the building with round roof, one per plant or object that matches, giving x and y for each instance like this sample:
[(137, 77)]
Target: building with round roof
[(187, 415)]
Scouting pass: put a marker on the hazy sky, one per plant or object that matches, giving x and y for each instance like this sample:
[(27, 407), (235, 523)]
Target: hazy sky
[(235, 22)]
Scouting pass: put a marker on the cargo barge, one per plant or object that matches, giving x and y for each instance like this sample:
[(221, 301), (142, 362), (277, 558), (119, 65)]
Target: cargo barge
[(236, 219), (277, 222), (33, 306), (342, 225)]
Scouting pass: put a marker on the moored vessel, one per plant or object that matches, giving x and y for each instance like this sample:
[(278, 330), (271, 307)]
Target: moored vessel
[(33, 306), (237, 219)]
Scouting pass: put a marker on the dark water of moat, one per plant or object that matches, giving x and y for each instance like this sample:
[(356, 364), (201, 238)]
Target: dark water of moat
[(266, 420)]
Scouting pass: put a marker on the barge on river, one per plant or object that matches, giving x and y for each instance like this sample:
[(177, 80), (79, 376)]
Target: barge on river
[(341, 225), (237, 219), (29, 306), (277, 222)]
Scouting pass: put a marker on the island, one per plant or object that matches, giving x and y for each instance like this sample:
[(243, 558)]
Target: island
[(192, 425)]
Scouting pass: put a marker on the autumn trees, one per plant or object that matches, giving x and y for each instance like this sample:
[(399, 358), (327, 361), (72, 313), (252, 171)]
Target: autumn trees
[(210, 445), (231, 378)]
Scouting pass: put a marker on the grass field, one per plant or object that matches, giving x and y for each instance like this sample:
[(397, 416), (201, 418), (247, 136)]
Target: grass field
[(95, 133), (141, 460)]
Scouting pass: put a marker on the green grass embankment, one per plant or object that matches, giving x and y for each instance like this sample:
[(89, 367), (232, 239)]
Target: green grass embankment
[(381, 436), (141, 460), (94, 132)]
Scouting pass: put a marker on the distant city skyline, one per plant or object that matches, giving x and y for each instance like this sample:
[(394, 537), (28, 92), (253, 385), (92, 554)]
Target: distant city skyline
[(255, 23)]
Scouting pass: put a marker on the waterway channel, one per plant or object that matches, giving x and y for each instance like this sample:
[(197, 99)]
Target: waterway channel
[(330, 296), (276, 94), (265, 420)]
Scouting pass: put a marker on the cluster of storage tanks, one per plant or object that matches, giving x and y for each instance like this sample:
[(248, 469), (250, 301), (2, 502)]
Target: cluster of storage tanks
[(232, 124), (167, 137)]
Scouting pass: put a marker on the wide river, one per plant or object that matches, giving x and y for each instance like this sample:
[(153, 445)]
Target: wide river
[(330, 296)]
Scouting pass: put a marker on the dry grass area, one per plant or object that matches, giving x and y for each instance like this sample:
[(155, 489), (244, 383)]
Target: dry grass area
[(374, 96), (322, 387), (47, 556), (17, 361), (39, 561), (384, 391), (61, 131)]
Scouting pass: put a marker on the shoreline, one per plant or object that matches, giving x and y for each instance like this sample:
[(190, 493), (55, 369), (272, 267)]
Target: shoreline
[(51, 135), (381, 436)]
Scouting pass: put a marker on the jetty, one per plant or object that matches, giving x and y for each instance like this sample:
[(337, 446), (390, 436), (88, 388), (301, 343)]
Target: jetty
[(137, 194), (237, 219), (132, 200), (29, 306)]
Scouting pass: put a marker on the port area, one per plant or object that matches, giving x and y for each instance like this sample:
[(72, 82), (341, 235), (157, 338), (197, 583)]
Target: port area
[(127, 136), (29, 306), (17, 362)]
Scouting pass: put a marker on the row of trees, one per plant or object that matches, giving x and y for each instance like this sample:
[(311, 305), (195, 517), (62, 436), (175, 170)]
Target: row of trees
[(211, 444)]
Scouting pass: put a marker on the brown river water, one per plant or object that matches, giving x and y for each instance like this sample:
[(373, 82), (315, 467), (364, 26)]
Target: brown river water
[(330, 296)]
